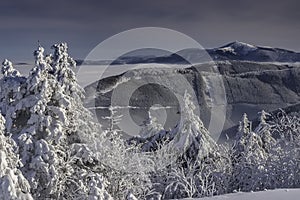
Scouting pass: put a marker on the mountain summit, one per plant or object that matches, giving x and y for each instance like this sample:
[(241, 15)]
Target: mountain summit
[(238, 48), (247, 52)]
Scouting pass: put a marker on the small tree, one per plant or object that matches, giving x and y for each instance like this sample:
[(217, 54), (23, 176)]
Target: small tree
[(199, 177), (264, 131), (150, 127)]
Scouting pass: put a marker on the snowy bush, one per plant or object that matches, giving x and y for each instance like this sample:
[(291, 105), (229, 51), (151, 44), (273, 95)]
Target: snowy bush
[(269, 157), (199, 177), (125, 166), (283, 164)]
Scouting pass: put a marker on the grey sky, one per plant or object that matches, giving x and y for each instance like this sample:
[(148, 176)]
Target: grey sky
[(83, 24)]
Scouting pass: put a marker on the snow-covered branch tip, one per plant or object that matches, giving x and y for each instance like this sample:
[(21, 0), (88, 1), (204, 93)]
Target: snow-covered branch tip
[(8, 70)]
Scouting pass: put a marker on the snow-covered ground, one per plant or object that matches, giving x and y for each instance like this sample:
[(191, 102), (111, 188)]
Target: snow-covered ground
[(279, 194)]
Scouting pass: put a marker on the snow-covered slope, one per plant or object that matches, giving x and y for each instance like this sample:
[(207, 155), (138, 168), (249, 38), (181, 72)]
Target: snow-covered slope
[(238, 48), (279, 194)]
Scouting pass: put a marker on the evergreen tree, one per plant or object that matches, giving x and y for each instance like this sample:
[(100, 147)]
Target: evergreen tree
[(48, 121), (13, 185), (264, 131), (202, 169), (12, 86), (151, 127), (248, 158), (192, 137)]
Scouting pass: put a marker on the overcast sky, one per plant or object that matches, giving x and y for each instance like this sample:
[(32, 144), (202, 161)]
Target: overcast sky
[(83, 24)]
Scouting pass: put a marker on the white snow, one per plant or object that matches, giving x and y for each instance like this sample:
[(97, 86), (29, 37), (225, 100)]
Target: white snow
[(238, 48), (279, 194), (228, 49)]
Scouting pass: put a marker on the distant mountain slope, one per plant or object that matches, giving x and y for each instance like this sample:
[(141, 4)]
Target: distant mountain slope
[(233, 51), (249, 86)]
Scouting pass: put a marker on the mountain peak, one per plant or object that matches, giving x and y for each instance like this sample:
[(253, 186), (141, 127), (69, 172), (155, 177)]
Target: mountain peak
[(238, 47), (237, 44)]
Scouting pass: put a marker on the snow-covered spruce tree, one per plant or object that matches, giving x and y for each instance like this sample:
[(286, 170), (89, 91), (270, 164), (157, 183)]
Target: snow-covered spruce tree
[(248, 158), (13, 185), (202, 168), (12, 86), (151, 127), (71, 94), (192, 137), (40, 133), (47, 135), (152, 135), (264, 131)]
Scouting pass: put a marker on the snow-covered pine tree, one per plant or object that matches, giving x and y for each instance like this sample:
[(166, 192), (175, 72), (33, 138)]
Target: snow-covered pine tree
[(13, 185), (150, 127), (240, 139), (152, 135), (12, 86), (202, 169), (264, 131), (130, 196), (248, 158), (81, 128), (45, 130), (192, 137), (70, 94), (38, 136), (9, 70)]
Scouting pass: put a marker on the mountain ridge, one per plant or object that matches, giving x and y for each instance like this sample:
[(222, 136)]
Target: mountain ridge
[(231, 51)]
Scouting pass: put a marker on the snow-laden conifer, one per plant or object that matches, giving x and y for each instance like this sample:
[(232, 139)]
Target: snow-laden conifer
[(13, 185)]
